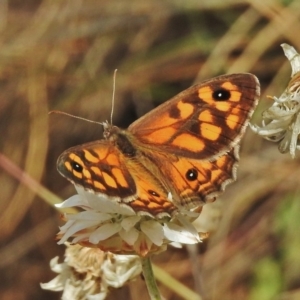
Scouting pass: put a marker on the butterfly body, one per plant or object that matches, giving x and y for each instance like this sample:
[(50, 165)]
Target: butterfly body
[(181, 154)]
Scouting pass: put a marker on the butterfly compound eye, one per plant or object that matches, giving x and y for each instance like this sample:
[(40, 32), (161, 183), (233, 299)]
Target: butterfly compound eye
[(77, 167), (221, 95)]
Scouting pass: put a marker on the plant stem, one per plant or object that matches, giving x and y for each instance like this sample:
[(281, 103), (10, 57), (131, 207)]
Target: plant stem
[(150, 279)]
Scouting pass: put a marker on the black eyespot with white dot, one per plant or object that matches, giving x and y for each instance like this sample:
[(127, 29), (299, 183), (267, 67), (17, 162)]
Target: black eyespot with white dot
[(76, 167), (221, 95), (153, 193), (191, 174)]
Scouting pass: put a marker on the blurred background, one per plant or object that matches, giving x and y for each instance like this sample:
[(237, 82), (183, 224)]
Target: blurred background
[(61, 55)]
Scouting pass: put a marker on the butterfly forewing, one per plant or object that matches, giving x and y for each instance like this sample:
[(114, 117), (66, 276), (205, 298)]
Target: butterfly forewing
[(99, 167), (203, 121)]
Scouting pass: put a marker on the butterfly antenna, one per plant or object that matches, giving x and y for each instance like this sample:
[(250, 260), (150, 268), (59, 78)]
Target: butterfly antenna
[(90, 121), (113, 97), (75, 117)]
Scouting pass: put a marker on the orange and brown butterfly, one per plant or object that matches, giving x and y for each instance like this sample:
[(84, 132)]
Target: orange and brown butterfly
[(188, 148)]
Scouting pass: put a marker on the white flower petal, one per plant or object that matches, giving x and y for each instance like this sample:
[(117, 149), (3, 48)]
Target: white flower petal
[(124, 268), (154, 231), (129, 222), (74, 228), (176, 245), (104, 232), (293, 56), (81, 237), (267, 130), (55, 285), (176, 233), (143, 245), (188, 226), (101, 203), (55, 266), (130, 236), (66, 226), (90, 215), (75, 200)]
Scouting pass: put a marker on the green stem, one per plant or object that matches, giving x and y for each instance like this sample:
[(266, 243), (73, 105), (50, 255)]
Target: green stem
[(150, 279)]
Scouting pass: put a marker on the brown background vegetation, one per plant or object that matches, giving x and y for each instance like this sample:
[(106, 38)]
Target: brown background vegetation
[(60, 55)]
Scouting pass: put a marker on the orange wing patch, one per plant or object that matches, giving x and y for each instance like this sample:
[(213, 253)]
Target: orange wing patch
[(160, 136), (205, 93), (232, 121), (185, 110), (210, 132), (206, 116), (234, 91), (189, 142)]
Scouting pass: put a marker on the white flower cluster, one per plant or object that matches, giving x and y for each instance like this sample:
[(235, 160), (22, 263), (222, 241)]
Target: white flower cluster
[(89, 273), (117, 228), (281, 121), (101, 233)]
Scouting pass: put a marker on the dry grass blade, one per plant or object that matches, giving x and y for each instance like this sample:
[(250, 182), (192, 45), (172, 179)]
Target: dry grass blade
[(285, 22)]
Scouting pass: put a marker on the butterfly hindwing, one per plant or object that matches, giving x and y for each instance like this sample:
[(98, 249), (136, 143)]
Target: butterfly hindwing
[(200, 181)]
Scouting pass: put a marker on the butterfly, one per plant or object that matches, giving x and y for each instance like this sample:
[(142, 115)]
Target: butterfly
[(181, 154)]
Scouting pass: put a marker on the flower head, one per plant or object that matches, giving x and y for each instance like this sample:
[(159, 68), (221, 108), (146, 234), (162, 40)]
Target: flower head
[(281, 121), (89, 273), (117, 228)]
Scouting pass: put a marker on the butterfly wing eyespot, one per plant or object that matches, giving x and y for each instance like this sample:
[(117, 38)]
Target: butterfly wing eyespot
[(191, 174), (221, 94), (76, 167)]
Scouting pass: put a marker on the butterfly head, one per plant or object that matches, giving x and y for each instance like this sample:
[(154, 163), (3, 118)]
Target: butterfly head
[(109, 130)]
